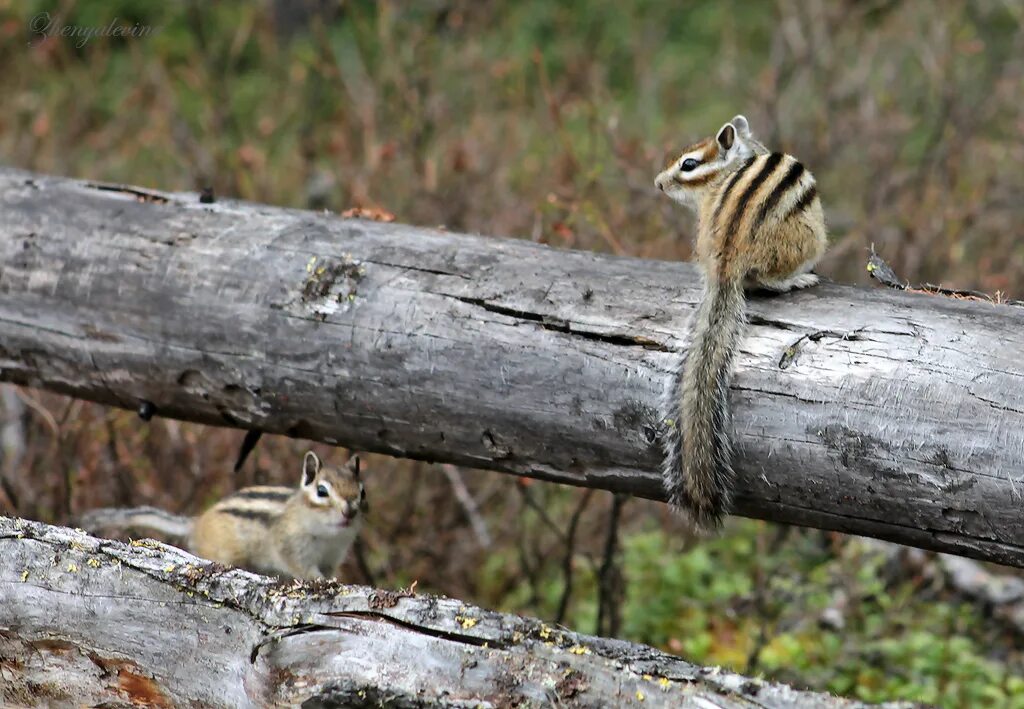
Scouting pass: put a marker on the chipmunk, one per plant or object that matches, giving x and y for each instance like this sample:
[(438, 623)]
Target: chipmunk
[(303, 533), (759, 225)]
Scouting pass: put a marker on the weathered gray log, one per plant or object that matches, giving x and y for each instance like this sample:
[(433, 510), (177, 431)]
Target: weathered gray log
[(880, 413), (92, 622)]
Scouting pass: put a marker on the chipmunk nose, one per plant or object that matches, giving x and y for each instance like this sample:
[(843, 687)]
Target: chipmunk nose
[(658, 183)]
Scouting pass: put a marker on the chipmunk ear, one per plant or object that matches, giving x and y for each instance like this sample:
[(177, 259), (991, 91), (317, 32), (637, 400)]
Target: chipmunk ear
[(310, 467), (353, 465), (726, 137), (742, 126)]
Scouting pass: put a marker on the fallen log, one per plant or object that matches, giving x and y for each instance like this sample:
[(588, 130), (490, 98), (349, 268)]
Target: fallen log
[(87, 621), (881, 413)]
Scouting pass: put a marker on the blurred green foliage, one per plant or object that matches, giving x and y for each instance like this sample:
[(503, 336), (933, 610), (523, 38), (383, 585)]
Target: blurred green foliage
[(548, 119), (732, 602)]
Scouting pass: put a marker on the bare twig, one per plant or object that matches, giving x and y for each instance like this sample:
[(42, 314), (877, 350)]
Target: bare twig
[(469, 505), (37, 406), (542, 513), (610, 586), (12, 444), (359, 554), (570, 552), (124, 482), (761, 592), (883, 273), (252, 437)]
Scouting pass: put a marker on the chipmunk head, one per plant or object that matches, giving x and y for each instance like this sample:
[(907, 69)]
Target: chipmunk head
[(336, 492), (705, 164)]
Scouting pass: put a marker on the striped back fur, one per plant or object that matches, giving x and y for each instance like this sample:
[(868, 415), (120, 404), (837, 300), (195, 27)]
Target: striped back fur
[(743, 218), (121, 519), (262, 503)]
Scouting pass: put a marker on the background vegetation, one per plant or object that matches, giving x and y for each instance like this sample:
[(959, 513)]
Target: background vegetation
[(547, 120)]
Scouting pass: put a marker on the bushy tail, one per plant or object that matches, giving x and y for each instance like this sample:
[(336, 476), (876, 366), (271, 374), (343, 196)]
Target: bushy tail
[(698, 447), (150, 518)]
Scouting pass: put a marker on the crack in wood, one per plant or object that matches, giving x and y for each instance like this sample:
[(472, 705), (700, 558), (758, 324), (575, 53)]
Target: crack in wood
[(140, 195), (997, 405), (283, 632), (755, 319), (419, 269), (554, 324), (791, 353), (488, 642)]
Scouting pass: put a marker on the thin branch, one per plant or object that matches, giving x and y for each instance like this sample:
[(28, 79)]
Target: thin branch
[(884, 274), (37, 406), (359, 554), (524, 491), (610, 585), (570, 552), (469, 505)]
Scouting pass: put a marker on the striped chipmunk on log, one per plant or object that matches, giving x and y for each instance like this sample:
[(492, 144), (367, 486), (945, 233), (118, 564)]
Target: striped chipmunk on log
[(759, 225), (303, 532)]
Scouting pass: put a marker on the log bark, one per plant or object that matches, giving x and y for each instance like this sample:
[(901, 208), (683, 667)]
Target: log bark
[(887, 414), (93, 622)]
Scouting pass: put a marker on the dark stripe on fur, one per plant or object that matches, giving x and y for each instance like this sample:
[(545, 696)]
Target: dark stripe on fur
[(793, 175), (247, 513), (805, 201), (770, 164), (698, 472), (728, 188), (279, 495)]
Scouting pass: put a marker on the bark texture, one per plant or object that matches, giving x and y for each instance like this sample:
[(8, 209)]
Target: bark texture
[(887, 414), (92, 622)]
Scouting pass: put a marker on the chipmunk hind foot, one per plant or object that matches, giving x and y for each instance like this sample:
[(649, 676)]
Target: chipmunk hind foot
[(783, 285)]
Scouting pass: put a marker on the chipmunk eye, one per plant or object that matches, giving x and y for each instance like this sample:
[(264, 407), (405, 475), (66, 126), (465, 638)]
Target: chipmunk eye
[(689, 164), (321, 491)]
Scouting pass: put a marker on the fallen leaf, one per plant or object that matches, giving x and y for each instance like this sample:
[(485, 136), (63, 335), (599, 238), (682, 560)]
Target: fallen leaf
[(372, 213)]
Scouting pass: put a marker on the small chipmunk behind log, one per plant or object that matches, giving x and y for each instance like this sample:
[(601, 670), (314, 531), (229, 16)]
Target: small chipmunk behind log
[(759, 224), (304, 533)]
